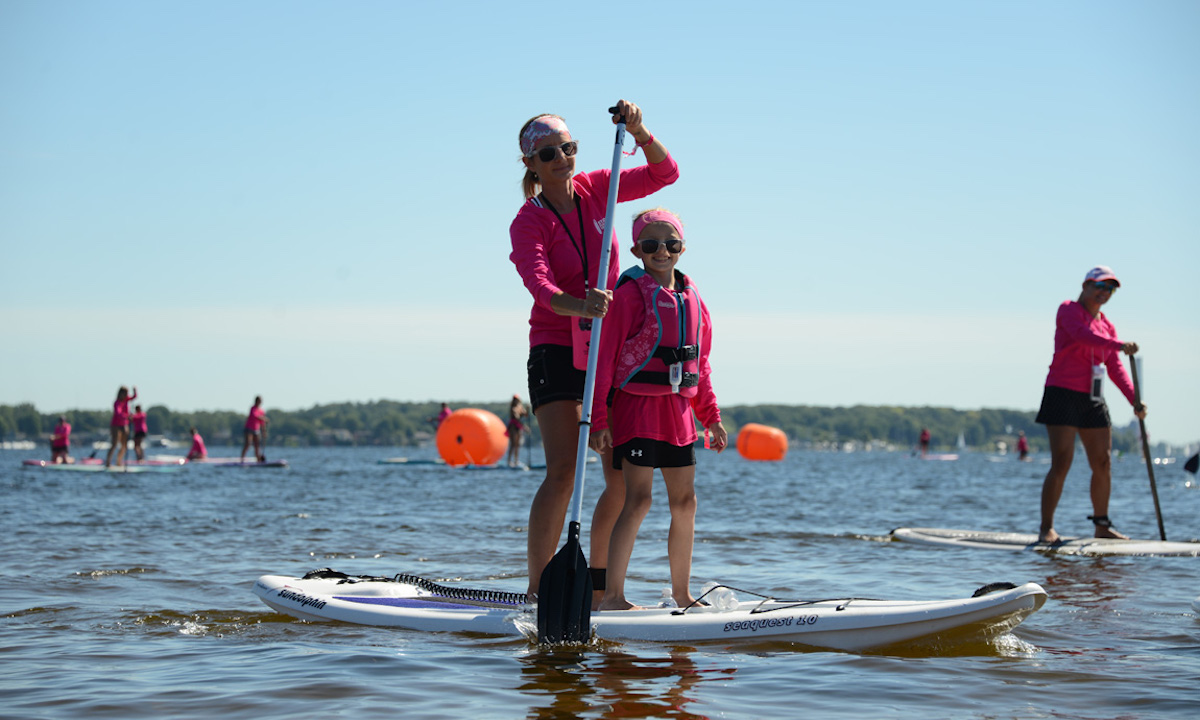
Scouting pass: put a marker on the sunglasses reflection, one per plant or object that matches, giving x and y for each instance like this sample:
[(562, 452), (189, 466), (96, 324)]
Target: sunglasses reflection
[(614, 684)]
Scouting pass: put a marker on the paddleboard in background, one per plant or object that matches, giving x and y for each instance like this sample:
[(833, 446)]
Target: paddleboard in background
[(147, 461), (98, 467), (1029, 541), (938, 456), (250, 464), (406, 601), (414, 461)]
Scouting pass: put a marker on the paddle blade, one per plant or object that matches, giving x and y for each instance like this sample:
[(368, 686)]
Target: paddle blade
[(564, 608), (1193, 464)]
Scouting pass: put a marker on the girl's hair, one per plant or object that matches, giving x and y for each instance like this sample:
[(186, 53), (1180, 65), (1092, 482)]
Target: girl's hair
[(529, 183), (122, 392)]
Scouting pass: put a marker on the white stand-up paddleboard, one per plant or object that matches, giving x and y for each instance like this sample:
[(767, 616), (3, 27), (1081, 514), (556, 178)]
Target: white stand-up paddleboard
[(842, 624), (1029, 541)]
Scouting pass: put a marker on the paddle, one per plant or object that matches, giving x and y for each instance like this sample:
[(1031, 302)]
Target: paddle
[(1193, 464), (1137, 399), (564, 607)]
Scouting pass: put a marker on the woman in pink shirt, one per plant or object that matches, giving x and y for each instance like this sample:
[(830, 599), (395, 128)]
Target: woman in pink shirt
[(138, 421), (1086, 348), (556, 245), (255, 422), (118, 429), (653, 381)]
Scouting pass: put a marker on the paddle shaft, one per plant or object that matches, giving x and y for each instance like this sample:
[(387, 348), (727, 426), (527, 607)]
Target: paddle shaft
[(565, 589), (1137, 399), (589, 382)]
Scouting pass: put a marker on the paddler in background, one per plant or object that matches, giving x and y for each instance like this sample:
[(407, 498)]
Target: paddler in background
[(1022, 446), (255, 422), (198, 451), (444, 413), (924, 441), (118, 428), (138, 421), (60, 442), (556, 245), (1086, 347), (515, 429)]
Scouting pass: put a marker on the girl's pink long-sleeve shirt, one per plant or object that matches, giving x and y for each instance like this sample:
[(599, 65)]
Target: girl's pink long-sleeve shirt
[(120, 416), (1081, 341), (548, 261), (138, 421), (655, 417)]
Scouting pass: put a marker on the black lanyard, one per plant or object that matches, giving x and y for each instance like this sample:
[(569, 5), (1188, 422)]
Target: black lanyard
[(581, 246)]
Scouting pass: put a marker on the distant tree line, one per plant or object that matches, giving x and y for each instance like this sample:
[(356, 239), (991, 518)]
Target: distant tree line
[(391, 423)]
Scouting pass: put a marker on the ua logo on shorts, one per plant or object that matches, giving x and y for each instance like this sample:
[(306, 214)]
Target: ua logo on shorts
[(635, 453)]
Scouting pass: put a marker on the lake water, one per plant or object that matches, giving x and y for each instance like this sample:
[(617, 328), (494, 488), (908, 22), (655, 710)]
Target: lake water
[(129, 596)]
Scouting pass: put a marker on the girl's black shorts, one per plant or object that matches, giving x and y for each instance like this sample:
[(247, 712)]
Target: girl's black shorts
[(653, 454)]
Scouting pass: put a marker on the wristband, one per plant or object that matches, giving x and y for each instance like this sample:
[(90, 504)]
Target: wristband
[(650, 141)]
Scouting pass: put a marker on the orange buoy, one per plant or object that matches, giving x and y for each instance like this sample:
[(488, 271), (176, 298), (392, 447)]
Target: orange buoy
[(471, 436), (761, 442)]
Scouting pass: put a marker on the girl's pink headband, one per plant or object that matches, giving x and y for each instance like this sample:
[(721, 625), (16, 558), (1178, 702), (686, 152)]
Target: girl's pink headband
[(664, 216), (539, 128)]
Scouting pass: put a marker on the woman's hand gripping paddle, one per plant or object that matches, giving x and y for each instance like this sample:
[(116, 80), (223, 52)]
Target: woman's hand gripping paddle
[(564, 608), (1137, 399)]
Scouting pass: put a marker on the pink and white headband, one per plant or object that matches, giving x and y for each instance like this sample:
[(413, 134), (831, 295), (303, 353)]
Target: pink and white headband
[(664, 216), (542, 126)]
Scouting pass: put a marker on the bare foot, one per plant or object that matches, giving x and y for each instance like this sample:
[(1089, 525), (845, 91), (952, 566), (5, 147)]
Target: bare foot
[(1049, 537), (1108, 532), (618, 604), (685, 601)]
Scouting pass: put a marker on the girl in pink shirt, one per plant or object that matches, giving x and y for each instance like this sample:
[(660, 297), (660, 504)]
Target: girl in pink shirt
[(652, 381), (118, 429), (138, 421), (1086, 348), (60, 441), (556, 246)]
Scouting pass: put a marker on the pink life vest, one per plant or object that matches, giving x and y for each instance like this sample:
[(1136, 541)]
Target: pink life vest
[(664, 356)]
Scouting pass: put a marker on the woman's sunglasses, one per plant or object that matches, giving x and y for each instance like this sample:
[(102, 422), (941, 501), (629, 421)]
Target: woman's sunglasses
[(550, 152), (1105, 286), (651, 246)]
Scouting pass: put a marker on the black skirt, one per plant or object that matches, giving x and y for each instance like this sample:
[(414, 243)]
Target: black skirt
[(1072, 408)]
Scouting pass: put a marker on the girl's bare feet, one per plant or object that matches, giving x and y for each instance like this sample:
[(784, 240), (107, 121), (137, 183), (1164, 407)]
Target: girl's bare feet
[(1048, 536)]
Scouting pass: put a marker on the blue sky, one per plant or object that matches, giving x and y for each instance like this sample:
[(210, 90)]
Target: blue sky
[(885, 201)]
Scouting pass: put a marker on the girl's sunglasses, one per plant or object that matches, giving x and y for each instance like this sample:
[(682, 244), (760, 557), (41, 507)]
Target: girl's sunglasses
[(651, 246), (550, 152), (1105, 286)]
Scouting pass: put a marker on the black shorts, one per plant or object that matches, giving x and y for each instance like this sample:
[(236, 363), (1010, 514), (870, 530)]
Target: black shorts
[(137, 436), (1072, 408), (553, 375), (653, 454)]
